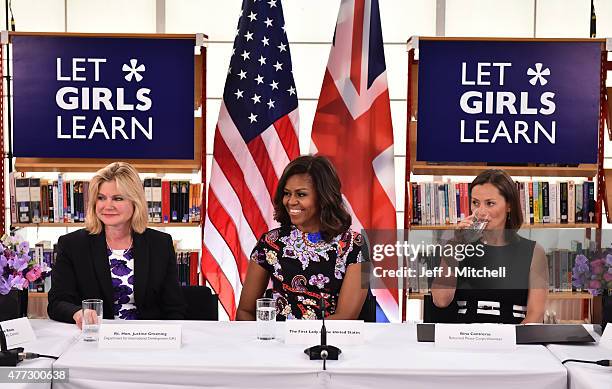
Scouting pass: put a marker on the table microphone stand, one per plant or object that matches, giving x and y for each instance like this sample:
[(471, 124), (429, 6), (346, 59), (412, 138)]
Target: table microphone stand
[(8, 357), (323, 351)]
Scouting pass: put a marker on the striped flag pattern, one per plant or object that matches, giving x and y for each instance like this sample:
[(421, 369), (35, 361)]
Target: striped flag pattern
[(255, 138), (352, 125)]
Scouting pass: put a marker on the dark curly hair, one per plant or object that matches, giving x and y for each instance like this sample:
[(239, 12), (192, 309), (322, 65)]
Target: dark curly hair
[(335, 219)]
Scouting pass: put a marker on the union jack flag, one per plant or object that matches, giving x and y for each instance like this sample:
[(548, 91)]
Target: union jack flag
[(352, 125), (255, 138)]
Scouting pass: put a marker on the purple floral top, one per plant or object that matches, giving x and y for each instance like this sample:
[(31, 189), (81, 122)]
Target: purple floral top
[(302, 271), (122, 277)]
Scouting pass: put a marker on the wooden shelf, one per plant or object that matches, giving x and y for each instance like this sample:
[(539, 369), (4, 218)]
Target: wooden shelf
[(526, 226), (583, 170), (551, 296), (80, 225)]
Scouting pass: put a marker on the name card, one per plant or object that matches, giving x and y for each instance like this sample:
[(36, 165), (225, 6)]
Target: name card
[(606, 337), (17, 331), (140, 336), (476, 336), (339, 332)]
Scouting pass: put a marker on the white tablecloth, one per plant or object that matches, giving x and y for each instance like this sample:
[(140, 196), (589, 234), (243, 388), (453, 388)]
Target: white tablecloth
[(52, 338), (222, 354), (581, 375)]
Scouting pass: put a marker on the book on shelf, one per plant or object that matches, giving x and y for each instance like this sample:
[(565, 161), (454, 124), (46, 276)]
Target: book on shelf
[(187, 262), (35, 200), (446, 203)]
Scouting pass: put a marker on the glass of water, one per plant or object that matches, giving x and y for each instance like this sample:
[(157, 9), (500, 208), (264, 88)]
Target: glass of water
[(266, 318), (92, 317)]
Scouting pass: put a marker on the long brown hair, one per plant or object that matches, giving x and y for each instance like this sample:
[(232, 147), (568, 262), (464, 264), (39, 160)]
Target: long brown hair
[(334, 217)]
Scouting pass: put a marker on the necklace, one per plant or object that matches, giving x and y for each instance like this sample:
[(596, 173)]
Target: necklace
[(313, 239), (129, 247)]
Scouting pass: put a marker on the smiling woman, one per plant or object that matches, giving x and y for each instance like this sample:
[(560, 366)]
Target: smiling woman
[(116, 258), (313, 255)]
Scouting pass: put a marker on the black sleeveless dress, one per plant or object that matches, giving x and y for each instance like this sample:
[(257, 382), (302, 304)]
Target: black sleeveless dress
[(500, 299)]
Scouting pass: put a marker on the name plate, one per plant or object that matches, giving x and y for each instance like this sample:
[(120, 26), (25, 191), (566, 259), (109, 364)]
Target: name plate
[(606, 337), (339, 332), (17, 331), (140, 336), (476, 336)]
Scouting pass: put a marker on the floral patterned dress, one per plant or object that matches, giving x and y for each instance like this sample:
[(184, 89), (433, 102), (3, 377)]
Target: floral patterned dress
[(122, 277), (302, 271)]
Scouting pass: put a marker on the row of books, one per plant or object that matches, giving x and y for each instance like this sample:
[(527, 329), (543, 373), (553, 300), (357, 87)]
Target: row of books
[(173, 201), (43, 252), (437, 203), (187, 267), (35, 200), (560, 265)]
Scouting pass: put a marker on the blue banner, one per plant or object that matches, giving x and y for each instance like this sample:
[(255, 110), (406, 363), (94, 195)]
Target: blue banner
[(508, 101), (101, 97)]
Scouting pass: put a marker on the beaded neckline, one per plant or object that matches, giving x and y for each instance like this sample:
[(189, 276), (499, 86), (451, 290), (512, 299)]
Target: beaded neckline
[(313, 239)]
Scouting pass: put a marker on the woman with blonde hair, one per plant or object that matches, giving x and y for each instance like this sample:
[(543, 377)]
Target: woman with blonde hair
[(116, 258)]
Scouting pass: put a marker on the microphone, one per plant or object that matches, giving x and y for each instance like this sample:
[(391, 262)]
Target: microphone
[(8, 357), (323, 351)]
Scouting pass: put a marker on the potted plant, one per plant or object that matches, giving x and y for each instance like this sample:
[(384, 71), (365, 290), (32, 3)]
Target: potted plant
[(594, 274), (17, 270)]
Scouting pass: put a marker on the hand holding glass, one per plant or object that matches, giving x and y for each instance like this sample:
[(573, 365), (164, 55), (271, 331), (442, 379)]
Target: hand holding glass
[(92, 317)]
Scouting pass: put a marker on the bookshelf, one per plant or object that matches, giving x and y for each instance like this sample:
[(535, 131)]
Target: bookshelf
[(525, 226), (81, 225), (594, 172), (190, 170)]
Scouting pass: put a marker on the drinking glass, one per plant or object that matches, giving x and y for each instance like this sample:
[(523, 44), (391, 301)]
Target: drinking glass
[(266, 318), (92, 317)]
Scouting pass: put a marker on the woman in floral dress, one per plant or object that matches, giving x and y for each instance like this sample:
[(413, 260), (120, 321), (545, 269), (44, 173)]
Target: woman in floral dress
[(313, 254)]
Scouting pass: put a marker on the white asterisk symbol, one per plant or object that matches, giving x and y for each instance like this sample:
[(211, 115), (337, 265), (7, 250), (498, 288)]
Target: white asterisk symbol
[(538, 74), (133, 70)]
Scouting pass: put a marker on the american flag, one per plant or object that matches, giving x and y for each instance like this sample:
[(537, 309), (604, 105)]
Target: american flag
[(352, 125), (255, 138)]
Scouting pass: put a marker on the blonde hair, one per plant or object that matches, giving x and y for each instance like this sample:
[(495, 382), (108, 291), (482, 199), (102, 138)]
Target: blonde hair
[(129, 184)]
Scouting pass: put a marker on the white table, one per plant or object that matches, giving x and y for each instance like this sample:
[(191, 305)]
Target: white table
[(581, 375), (52, 338), (226, 354)]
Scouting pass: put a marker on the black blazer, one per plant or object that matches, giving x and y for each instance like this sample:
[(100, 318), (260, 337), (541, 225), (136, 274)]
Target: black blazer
[(82, 271)]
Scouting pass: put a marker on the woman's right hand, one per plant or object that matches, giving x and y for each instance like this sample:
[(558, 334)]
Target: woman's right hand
[(467, 222), (90, 315)]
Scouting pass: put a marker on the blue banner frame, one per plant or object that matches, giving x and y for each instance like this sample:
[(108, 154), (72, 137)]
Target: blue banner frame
[(103, 97), (515, 101)]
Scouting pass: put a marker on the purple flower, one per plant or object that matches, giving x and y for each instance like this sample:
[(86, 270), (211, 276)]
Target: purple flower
[(129, 314), (17, 282), (131, 280), (20, 263), (23, 247), (319, 280), (119, 267), (609, 260), (5, 287)]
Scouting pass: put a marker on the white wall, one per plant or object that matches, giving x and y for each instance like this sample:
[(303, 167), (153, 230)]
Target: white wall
[(310, 25)]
